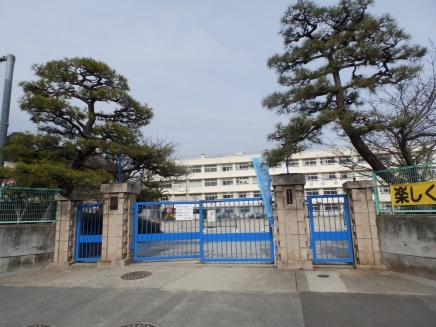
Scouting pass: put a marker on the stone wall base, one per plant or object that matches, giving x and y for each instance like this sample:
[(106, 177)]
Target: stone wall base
[(24, 261), (418, 266), (295, 265), (114, 263), (370, 267)]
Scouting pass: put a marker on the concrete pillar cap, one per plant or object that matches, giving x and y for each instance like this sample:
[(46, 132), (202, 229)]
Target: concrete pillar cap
[(288, 179), (128, 187), (358, 184)]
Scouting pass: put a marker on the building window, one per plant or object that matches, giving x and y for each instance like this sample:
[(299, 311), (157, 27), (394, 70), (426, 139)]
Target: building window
[(211, 196), (242, 166), (329, 176), (210, 168), (344, 160), (311, 177), (244, 210), (227, 167), (243, 195), (346, 175), (194, 197), (256, 194), (227, 181), (164, 198), (386, 205), (241, 180), (277, 165), (180, 184), (253, 180), (312, 192), (195, 183), (331, 207), (327, 161), (165, 184), (384, 157), (210, 182), (180, 197), (360, 159), (309, 162), (195, 169), (330, 191), (384, 190), (293, 163), (227, 195)]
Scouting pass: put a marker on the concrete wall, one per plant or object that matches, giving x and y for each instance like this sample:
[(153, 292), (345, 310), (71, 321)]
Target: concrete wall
[(26, 245), (408, 243)]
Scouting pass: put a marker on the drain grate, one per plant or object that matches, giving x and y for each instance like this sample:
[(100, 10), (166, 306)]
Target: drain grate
[(39, 326), (136, 275), (139, 325), (324, 276)]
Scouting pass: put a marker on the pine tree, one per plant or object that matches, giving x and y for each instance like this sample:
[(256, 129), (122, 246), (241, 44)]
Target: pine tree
[(332, 55), (86, 119)]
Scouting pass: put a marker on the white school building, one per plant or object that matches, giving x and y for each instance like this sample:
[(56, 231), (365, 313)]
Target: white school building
[(233, 176)]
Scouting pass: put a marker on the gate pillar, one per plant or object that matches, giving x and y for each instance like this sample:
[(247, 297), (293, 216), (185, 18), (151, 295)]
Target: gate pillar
[(66, 221), (363, 223), (292, 250), (117, 236)]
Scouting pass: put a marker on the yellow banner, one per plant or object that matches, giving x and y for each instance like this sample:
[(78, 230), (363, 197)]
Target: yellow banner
[(413, 194)]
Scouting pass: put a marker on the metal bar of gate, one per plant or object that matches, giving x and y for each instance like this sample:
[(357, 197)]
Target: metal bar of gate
[(330, 234), (89, 233), (158, 236), (236, 230), (228, 230)]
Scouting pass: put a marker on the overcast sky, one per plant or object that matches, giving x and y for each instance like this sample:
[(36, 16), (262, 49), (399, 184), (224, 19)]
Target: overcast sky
[(200, 64)]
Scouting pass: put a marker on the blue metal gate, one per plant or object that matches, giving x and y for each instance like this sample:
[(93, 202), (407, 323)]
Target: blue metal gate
[(330, 234), (228, 230), (89, 232)]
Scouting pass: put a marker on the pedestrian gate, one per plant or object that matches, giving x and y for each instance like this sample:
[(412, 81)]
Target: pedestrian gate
[(89, 232), (330, 232), (228, 230)]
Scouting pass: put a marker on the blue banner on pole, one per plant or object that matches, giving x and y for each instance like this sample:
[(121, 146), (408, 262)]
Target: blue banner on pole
[(264, 181)]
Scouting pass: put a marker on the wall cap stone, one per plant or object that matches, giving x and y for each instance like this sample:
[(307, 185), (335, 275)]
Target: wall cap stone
[(71, 197), (406, 216), (128, 187), (357, 184), (288, 179)]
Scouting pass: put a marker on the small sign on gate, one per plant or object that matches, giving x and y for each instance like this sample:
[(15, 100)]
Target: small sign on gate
[(184, 212), (211, 216)]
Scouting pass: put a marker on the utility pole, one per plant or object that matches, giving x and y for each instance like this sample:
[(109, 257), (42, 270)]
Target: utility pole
[(6, 104)]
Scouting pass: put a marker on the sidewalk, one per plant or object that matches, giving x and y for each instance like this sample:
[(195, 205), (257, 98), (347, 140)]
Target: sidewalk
[(190, 275), (185, 293)]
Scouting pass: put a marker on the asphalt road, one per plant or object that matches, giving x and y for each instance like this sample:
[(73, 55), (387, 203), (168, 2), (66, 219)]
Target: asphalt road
[(193, 295)]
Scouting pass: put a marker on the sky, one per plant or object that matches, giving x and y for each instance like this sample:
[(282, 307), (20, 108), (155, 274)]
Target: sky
[(201, 65)]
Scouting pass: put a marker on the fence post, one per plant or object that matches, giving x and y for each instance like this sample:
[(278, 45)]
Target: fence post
[(65, 237), (117, 233), (291, 226), (363, 224)]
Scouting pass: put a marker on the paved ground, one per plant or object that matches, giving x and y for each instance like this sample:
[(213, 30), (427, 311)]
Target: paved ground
[(186, 293)]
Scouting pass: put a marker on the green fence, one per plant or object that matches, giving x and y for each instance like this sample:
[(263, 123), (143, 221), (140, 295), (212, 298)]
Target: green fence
[(400, 176), (27, 205)]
